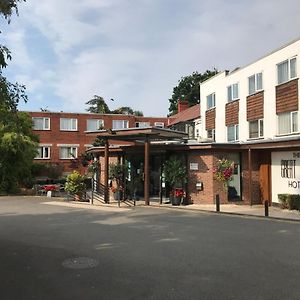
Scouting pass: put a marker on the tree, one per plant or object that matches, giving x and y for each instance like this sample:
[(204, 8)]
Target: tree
[(97, 105), (188, 89), (17, 142)]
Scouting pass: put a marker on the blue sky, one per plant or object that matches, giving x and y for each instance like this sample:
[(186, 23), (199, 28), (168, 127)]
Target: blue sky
[(135, 51)]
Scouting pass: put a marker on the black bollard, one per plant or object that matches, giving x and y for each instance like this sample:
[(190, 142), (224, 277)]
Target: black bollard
[(266, 208), (217, 203)]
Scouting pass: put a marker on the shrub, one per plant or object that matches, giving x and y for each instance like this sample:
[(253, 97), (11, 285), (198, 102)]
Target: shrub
[(283, 200), (289, 201)]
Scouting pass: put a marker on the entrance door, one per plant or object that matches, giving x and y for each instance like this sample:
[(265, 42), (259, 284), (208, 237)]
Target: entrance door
[(264, 181)]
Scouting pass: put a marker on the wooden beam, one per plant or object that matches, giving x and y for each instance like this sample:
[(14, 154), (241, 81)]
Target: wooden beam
[(146, 172), (106, 168)]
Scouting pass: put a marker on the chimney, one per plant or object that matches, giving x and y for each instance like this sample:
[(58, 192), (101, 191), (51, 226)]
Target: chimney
[(182, 105)]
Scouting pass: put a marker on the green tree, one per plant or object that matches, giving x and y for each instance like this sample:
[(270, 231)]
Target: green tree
[(97, 105), (17, 142), (188, 89)]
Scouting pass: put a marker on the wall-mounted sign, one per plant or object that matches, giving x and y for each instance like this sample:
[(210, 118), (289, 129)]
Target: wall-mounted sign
[(194, 166)]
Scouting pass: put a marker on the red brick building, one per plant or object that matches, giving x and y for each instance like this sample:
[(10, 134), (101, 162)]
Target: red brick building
[(63, 136)]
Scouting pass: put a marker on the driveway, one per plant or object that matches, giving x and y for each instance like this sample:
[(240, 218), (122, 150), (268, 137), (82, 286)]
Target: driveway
[(50, 251)]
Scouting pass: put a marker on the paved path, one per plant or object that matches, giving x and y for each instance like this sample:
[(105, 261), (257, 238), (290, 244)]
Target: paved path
[(54, 250)]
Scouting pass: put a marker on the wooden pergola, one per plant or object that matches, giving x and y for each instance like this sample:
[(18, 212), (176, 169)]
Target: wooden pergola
[(134, 136)]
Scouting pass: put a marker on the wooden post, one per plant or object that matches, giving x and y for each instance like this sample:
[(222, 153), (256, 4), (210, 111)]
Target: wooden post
[(106, 167), (217, 203), (266, 208), (146, 172), (250, 176)]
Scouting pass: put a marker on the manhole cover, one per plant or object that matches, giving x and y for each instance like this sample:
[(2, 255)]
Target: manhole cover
[(80, 263)]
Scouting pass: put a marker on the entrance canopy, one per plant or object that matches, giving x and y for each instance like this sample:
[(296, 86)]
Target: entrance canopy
[(135, 135)]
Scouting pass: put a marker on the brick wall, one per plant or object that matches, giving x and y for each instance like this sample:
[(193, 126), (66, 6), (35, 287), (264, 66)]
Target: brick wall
[(232, 113), (255, 106), (210, 119), (287, 97)]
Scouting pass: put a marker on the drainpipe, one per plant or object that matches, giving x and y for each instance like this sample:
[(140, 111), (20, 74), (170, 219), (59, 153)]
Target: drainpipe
[(250, 176)]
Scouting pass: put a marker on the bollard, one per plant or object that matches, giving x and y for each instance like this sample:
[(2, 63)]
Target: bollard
[(217, 203), (266, 208)]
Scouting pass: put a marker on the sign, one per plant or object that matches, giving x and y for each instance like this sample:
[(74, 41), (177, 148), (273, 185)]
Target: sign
[(285, 173)]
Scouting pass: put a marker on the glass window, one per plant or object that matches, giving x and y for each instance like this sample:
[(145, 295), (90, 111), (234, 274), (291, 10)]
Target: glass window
[(41, 123), (288, 122), (43, 153), (68, 124), (232, 133), (211, 134), (142, 124), (256, 128), (159, 124), (211, 100), (119, 124), (94, 124), (233, 92), (67, 152), (286, 70), (255, 83)]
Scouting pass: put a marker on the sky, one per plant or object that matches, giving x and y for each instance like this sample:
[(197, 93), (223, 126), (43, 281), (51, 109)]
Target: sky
[(135, 51)]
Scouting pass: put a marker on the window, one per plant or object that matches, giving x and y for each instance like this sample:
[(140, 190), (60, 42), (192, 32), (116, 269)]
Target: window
[(43, 152), (94, 124), (119, 124), (233, 92), (232, 133), (159, 124), (211, 134), (211, 100), (256, 129), (255, 83), (67, 152), (286, 70), (68, 124), (142, 124), (41, 123), (288, 122)]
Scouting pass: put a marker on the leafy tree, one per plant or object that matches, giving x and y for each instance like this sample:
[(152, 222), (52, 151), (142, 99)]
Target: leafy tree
[(17, 142), (138, 113), (124, 110), (188, 89), (97, 105)]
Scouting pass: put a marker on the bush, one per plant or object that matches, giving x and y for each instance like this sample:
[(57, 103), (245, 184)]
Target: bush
[(289, 201), (283, 200)]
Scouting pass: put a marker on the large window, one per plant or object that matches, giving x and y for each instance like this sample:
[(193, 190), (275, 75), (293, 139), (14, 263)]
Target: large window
[(232, 133), (233, 92), (142, 124), (119, 124), (255, 83), (68, 124), (41, 123), (67, 152), (211, 134), (256, 129), (94, 124), (211, 100), (286, 70), (159, 124), (288, 122), (43, 152)]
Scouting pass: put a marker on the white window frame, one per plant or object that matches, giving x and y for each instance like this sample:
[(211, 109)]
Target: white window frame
[(43, 152), (142, 124), (71, 127), (159, 124), (211, 134), (99, 124), (257, 81), (260, 126), (125, 124), (231, 92), (211, 100), (45, 121), (293, 116), (289, 74), (236, 133), (71, 150)]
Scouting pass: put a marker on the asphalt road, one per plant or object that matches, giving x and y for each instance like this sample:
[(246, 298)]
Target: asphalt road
[(55, 252)]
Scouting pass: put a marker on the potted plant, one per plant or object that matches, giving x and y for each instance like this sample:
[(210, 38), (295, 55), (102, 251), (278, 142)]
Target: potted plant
[(176, 176), (223, 172), (118, 173), (75, 185)]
